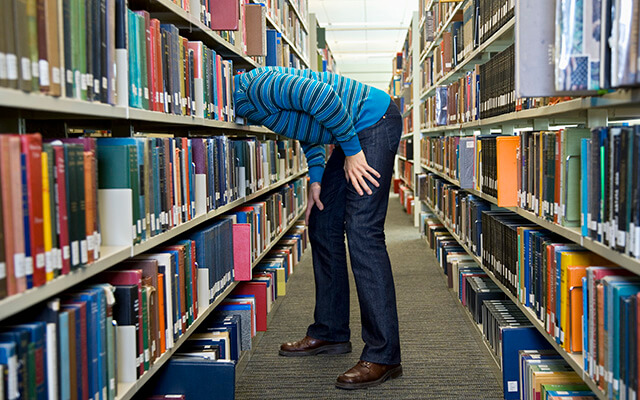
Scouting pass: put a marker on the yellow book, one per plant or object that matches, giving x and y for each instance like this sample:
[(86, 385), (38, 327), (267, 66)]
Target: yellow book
[(282, 282), (46, 216), (572, 258)]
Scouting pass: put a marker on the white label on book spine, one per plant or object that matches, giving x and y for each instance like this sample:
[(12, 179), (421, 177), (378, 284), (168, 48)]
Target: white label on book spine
[(3, 66), (35, 69), (65, 252), (59, 259), (139, 225), (96, 86), (12, 67), (153, 222), (39, 260), (512, 386), (90, 243), (12, 379), (89, 79), (146, 93), (146, 355), (43, 66), (28, 265), (48, 262), (75, 253), (97, 242), (55, 76), (84, 256), (105, 82), (3, 270), (25, 64), (621, 239), (636, 251)]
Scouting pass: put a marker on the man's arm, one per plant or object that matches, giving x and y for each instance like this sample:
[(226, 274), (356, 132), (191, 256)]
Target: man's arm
[(315, 160), (273, 91)]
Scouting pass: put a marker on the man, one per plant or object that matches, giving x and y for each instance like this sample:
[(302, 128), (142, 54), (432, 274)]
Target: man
[(349, 194)]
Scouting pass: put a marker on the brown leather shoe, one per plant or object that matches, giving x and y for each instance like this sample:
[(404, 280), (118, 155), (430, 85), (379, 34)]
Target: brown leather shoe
[(366, 374), (309, 346)]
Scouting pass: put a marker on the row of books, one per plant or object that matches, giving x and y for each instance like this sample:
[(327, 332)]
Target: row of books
[(561, 176), (213, 352), (282, 12), (505, 328), (598, 191), (405, 148), (557, 280), (53, 225), (112, 329), (434, 19), (405, 195), (609, 58)]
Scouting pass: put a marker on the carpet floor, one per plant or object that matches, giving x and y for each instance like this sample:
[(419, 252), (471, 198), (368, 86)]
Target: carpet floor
[(443, 356)]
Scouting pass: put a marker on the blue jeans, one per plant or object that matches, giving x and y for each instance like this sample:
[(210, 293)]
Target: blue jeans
[(362, 218)]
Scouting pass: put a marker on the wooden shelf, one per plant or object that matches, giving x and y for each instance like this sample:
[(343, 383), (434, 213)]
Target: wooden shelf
[(574, 360), (128, 390), (111, 256)]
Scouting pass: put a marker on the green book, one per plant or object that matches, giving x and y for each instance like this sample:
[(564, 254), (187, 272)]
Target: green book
[(115, 172), (188, 280), (80, 51), (558, 387), (142, 58), (135, 187), (145, 326), (47, 148), (32, 26), (31, 380), (570, 186)]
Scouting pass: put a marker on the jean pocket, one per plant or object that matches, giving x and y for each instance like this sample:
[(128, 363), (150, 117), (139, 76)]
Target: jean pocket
[(394, 131)]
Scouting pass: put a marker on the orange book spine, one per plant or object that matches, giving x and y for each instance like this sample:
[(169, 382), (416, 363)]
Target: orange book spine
[(507, 165), (7, 214)]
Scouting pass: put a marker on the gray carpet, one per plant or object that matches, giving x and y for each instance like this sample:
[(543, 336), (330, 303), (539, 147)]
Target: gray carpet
[(442, 355)]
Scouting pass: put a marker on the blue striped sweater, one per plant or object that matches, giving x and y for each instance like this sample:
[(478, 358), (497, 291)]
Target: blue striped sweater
[(314, 108)]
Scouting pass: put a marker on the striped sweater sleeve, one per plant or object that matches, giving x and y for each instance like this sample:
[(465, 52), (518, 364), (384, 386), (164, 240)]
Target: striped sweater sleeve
[(274, 91), (315, 160)]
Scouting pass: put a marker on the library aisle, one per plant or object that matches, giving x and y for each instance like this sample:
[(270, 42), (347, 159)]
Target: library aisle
[(436, 364)]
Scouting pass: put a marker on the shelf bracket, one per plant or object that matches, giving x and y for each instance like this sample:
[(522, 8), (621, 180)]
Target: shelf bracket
[(507, 129), (541, 124), (597, 117)]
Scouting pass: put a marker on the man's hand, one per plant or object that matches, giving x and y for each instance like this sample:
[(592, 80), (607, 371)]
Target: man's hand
[(314, 199), (356, 169)]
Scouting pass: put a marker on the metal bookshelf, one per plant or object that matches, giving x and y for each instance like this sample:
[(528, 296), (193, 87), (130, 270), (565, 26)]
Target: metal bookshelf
[(575, 360), (438, 35), (497, 42), (128, 390), (275, 25), (110, 256), (303, 22)]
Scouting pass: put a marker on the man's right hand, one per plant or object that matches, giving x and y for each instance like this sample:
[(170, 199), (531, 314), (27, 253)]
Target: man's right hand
[(314, 199)]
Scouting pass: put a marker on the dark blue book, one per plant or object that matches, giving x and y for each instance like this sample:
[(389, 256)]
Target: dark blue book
[(36, 331), (20, 339), (185, 375)]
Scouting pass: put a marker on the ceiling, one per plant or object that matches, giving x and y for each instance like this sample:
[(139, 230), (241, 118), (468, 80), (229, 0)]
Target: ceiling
[(364, 35)]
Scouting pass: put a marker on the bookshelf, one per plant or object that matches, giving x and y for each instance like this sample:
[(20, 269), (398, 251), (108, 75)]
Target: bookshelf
[(25, 112), (607, 108), (574, 360), (321, 56), (127, 391)]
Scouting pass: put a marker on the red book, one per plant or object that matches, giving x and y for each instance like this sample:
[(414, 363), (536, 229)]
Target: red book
[(149, 268), (62, 212), (225, 15), (156, 38), (259, 291), (219, 86), (32, 150), (194, 277), (130, 277), (185, 175), (182, 282), (242, 252)]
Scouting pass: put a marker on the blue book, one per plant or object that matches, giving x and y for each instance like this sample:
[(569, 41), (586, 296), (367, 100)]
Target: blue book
[(9, 359), (231, 324), (272, 48), (186, 375), (244, 312), (101, 342), (21, 339), (614, 290), (28, 259), (64, 355), (36, 331), (584, 184), (515, 339), (94, 340), (48, 314)]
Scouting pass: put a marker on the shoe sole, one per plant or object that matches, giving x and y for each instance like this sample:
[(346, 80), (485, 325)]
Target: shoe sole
[(340, 348), (391, 374)]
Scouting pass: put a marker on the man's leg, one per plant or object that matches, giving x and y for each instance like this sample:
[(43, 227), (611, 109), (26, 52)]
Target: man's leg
[(326, 234), (364, 218)]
